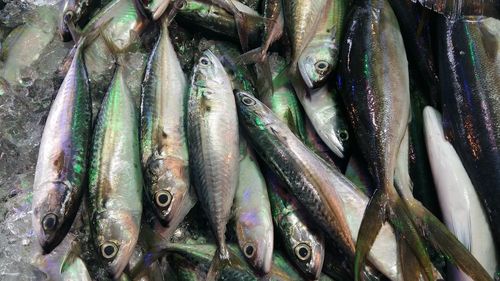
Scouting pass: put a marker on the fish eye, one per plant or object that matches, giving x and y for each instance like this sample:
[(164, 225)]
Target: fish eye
[(303, 251), (343, 135), (249, 250), (246, 100), (68, 16), (321, 66), (163, 198), (109, 250), (182, 5), (49, 222), (204, 61)]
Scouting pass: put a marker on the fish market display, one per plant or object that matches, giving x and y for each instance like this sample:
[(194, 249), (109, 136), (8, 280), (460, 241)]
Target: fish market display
[(249, 140)]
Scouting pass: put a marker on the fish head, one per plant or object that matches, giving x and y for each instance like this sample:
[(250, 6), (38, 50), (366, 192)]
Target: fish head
[(316, 63), (253, 113), (256, 243), (71, 13), (116, 234), (305, 247), (52, 214), (209, 72), (169, 187)]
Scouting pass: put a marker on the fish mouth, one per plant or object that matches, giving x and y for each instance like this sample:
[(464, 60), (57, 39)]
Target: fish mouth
[(336, 146), (303, 73)]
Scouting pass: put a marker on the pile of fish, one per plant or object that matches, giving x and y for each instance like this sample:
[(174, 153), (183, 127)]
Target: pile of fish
[(285, 140)]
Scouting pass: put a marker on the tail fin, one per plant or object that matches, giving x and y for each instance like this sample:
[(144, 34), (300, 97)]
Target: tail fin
[(219, 262), (444, 241)]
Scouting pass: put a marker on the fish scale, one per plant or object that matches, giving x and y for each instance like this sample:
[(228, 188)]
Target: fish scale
[(115, 178), (163, 137), (213, 142), (62, 160)]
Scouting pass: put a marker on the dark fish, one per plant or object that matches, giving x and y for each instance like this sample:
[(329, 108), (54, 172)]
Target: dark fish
[(470, 90)]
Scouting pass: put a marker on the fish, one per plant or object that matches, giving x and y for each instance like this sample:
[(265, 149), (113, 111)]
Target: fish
[(320, 57), (375, 87), (164, 152), (61, 169), (470, 82), (304, 244), (218, 20), (115, 178), (283, 101), (326, 116), (72, 12), (462, 210), (190, 258), (315, 184), (414, 21), (213, 140), (252, 213), (456, 9), (301, 20)]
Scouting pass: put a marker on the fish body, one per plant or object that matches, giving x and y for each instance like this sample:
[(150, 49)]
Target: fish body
[(301, 20), (470, 72), (414, 22), (213, 139), (252, 213), (320, 56), (61, 170), (115, 178), (283, 101), (462, 210), (163, 138)]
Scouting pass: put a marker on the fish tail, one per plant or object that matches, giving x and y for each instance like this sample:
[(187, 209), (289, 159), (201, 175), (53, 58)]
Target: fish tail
[(371, 224), (253, 56), (445, 242), (242, 26), (383, 207), (219, 262)]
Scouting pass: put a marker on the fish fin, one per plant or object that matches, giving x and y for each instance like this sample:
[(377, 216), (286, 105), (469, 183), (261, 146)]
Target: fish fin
[(67, 261), (401, 220), (219, 262), (444, 241), (265, 81), (240, 19), (371, 223), (252, 56), (410, 268)]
